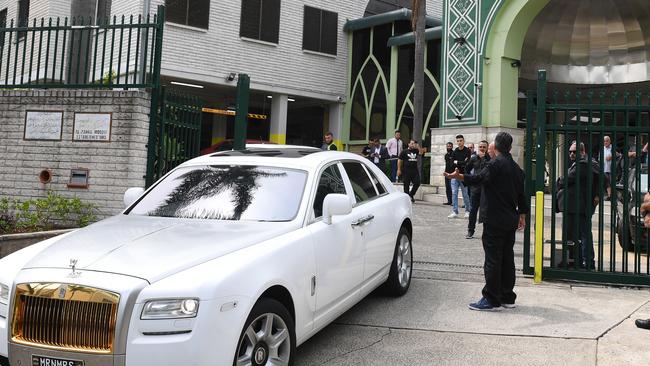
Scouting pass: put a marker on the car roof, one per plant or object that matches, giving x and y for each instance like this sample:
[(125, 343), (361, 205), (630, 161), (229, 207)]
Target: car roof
[(277, 155)]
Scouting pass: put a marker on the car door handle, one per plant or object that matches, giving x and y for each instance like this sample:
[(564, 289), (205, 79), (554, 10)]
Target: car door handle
[(363, 220)]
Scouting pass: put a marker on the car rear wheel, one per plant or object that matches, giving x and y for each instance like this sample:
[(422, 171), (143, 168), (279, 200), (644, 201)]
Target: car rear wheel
[(620, 234), (268, 337), (399, 277)]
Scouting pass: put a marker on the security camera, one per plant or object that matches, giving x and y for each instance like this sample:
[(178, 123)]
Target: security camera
[(339, 98), (478, 85), (231, 76)]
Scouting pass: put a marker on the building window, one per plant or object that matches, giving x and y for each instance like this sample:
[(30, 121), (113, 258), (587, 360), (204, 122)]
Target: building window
[(260, 19), (103, 12), (195, 13), (23, 17), (320, 30)]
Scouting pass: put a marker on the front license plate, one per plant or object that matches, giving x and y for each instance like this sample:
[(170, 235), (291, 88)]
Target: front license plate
[(51, 361)]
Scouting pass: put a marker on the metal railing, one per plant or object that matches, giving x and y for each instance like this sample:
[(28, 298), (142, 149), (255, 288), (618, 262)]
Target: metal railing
[(578, 217), (79, 53)]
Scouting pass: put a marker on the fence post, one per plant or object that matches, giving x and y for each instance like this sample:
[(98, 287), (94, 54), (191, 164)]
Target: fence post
[(156, 92), (241, 118), (540, 163)]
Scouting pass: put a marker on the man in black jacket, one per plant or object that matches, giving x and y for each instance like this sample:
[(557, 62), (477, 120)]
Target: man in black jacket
[(449, 168), (581, 202), (476, 164), (503, 211)]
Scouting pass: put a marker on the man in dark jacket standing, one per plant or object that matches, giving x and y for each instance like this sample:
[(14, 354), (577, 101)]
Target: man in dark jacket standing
[(581, 202), (503, 209), (449, 168), (476, 164)]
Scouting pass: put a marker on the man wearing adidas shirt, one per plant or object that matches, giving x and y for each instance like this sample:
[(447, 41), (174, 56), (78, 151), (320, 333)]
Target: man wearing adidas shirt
[(407, 168)]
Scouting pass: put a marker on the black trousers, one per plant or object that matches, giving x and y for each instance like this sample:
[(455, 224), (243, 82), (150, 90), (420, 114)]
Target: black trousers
[(499, 266), (408, 178), (476, 202), (448, 189)]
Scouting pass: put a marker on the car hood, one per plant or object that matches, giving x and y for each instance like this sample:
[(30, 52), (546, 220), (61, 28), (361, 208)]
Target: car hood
[(153, 248)]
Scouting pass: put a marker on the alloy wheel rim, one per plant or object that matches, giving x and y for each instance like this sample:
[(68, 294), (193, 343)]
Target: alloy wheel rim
[(404, 261), (266, 341)]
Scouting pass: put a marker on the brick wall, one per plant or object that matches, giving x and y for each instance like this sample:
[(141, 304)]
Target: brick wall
[(113, 166)]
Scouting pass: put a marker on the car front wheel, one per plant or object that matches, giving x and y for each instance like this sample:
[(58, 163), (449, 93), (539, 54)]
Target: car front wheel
[(268, 337), (399, 277)]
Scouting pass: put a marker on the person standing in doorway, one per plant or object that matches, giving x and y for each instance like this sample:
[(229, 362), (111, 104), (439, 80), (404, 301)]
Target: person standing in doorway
[(476, 164), (328, 144), (449, 168), (394, 146), (407, 168), (460, 157), (503, 208)]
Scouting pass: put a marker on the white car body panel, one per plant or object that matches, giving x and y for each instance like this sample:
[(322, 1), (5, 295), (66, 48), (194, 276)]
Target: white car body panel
[(226, 265)]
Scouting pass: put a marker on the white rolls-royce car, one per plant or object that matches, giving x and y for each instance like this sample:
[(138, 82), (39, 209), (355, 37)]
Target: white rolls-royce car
[(232, 258)]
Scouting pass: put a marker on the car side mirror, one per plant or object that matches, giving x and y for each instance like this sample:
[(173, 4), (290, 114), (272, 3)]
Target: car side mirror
[(335, 204), (131, 195)]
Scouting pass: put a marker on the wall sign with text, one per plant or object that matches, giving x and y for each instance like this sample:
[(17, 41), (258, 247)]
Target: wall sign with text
[(43, 125), (92, 127)]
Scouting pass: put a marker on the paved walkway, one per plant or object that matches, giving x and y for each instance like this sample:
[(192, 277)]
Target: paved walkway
[(554, 323)]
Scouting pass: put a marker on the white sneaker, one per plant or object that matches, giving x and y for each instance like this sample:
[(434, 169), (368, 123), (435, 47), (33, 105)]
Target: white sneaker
[(467, 215), (453, 215)]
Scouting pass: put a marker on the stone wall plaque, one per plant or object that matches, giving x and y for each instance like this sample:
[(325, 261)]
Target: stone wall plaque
[(43, 125), (92, 127)]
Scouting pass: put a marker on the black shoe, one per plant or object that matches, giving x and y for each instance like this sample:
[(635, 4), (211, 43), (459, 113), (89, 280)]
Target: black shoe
[(412, 199), (470, 234), (447, 204), (642, 323)]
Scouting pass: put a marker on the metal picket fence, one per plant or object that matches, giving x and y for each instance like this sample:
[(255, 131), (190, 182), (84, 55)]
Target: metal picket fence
[(620, 241), (119, 52)]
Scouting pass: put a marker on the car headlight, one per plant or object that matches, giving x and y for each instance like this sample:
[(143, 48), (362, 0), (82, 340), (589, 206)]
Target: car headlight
[(4, 294), (170, 309)]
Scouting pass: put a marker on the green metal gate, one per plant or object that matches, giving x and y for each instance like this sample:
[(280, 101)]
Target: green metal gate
[(554, 121), (176, 134)]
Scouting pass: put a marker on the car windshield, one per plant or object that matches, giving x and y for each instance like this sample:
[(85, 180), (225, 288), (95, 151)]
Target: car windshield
[(226, 192)]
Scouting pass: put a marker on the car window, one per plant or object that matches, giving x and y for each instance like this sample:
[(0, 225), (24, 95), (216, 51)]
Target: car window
[(330, 181), (380, 187), (361, 184), (226, 192)]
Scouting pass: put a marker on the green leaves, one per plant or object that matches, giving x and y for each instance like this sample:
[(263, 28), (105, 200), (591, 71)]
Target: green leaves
[(51, 212)]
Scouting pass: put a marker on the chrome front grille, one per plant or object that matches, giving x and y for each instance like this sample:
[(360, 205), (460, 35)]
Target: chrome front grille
[(65, 317)]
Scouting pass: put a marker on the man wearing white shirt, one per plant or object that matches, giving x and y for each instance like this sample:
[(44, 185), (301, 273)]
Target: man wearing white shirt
[(394, 147), (607, 165)]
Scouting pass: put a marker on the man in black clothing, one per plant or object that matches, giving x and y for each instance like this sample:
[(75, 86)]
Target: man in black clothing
[(376, 153), (407, 168), (461, 157), (476, 164), (503, 210), (582, 202), (449, 168)]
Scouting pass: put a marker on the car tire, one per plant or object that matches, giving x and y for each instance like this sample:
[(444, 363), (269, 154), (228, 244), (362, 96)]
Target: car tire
[(619, 234), (268, 336), (401, 269)]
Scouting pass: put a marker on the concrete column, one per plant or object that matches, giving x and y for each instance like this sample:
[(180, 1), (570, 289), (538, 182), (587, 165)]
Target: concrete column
[(219, 128), (279, 106), (336, 123)]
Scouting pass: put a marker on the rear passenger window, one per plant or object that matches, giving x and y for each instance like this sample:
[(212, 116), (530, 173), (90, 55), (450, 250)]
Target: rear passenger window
[(330, 182), (361, 184), (376, 182)]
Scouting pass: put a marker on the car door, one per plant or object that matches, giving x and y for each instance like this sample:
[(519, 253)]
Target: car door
[(339, 252), (378, 229)]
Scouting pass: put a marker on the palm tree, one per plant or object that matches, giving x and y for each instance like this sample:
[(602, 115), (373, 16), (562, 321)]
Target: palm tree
[(418, 20), (209, 182)]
